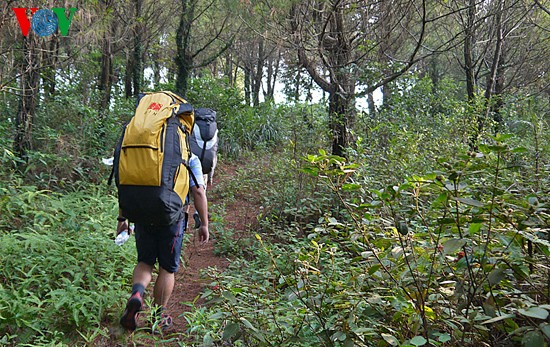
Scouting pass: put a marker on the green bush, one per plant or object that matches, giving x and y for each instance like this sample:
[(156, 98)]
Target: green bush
[(420, 124), (413, 240), (69, 140), (62, 275), (438, 259)]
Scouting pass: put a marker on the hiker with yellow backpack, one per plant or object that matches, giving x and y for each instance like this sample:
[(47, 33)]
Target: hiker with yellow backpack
[(154, 171)]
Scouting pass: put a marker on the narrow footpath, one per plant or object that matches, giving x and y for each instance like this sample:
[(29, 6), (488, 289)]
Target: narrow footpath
[(197, 257)]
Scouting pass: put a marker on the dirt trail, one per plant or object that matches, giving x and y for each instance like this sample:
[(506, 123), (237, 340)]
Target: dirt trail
[(189, 283)]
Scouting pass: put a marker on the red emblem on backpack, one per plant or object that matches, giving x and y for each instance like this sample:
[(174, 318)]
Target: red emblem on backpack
[(154, 106)]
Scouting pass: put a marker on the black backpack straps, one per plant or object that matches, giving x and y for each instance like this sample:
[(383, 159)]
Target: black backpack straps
[(112, 175), (184, 130), (203, 152), (138, 99), (116, 153), (110, 180)]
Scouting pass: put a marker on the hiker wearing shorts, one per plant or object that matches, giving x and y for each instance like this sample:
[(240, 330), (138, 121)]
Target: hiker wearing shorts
[(162, 244)]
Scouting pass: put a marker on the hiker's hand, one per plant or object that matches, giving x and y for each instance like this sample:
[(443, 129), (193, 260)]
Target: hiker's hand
[(204, 235), (121, 226)]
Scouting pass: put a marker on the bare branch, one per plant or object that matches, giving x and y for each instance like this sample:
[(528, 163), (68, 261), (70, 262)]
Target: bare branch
[(411, 61), (542, 7)]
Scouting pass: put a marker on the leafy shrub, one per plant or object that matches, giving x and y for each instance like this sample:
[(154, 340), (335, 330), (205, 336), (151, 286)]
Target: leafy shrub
[(439, 259), (62, 275), (71, 138), (421, 242), (421, 124), (64, 124), (452, 244), (252, 128)]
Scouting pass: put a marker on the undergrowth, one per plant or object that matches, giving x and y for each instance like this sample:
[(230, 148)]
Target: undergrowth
[(415, 240), (453, 257), (62, 276)]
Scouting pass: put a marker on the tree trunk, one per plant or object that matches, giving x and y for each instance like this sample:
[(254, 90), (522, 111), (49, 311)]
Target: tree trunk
[(499, 90), (235, 73), (272, 74), (268, 94), (30, 83), (339, 122), (434, 71), (156, 73), (228, 71), (386, 95), (184, 67), (297, 84), (309, 90), (371, 104), (106, 77), (50, 60), (105, 80), (257, 81), (138, 63), (184, 59), (468, 51), (492, 76), (340, 105), (247, 84), (469, 68), (341, 83), (128, 78), (495, 80), (385, 50)]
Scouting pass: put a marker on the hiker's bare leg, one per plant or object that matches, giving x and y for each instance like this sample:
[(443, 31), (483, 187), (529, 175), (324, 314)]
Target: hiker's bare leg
[(143, 274), (163, 287)]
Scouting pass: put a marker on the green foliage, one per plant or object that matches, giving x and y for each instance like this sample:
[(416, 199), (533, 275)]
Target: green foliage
[(65, 124), (412, 240), (437, 259), (416, 242), (8, 107), (453, 245), (62, 275), (422, 123), (215, 93), (252, 128), (70, 139)]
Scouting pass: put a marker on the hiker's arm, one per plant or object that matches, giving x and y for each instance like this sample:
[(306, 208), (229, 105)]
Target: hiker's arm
[(201, 205)]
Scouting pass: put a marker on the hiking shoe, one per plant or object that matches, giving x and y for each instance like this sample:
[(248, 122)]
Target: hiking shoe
[(162, 322), (166, 321), (131, 313), (197, 220)]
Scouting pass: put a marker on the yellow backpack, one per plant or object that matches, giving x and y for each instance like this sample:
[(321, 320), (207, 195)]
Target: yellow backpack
[(151, 160)]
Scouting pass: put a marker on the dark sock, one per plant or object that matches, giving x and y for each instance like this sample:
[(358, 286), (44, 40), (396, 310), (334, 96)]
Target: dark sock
[(138, 288)]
